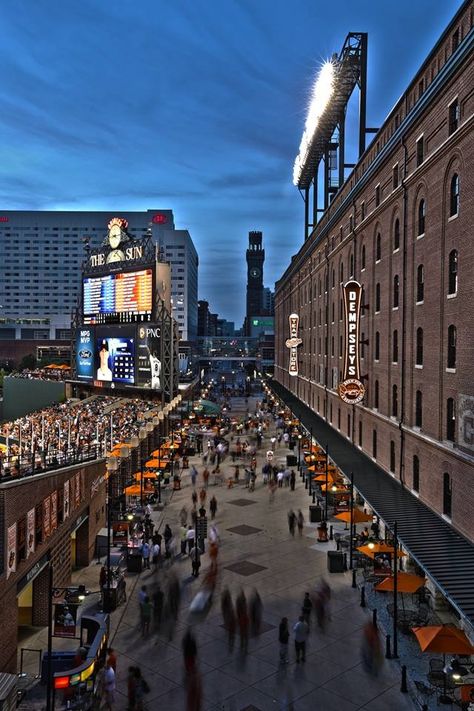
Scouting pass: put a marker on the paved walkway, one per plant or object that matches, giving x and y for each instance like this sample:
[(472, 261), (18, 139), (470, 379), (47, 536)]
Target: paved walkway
[(256, 552)]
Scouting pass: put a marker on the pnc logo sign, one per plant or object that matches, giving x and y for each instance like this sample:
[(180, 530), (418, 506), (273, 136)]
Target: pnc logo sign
[(351, 389), (292, 343)]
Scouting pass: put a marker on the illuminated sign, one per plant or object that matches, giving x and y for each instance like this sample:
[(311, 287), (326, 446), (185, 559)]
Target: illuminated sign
[(351, 388), (4, 218), (292, 343), (159, 219), (114, 294)]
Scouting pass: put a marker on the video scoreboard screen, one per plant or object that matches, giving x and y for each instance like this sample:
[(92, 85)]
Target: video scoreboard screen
[(115, 296)]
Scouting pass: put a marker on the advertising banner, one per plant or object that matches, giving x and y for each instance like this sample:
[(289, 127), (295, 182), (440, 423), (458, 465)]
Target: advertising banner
[(85, 353), (149, 356), (351, 389), (30, 532), (11, 550), (54, 511), (292, 343), (46, 517), (65, 616), (66, 508), (115, 354), (119, 533)]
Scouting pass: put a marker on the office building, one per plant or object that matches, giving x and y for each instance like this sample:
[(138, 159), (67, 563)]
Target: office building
[(177, 248)]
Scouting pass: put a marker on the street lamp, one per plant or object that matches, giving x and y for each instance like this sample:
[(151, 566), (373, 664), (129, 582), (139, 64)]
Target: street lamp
[(327, 484)]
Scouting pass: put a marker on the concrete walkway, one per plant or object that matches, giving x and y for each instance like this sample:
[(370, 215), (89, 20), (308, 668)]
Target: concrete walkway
[(256, 552)]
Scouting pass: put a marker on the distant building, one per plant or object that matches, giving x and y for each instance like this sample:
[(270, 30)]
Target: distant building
[(255, 256), (178, 250), (203, 318), (268, 301)]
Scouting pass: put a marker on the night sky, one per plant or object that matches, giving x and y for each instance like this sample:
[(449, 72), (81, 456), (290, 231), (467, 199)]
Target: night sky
[(196, 106)]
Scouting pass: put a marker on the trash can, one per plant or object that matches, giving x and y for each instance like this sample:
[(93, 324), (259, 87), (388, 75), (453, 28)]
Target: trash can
[(335, 561), (315, 513), (291, 460), (176, 483)]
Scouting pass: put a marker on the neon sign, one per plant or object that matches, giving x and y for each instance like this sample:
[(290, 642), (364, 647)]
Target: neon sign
[(159, 219), (292, 343), (351, 389)]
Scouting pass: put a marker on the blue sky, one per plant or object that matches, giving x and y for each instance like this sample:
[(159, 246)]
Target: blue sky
[(192, 105)]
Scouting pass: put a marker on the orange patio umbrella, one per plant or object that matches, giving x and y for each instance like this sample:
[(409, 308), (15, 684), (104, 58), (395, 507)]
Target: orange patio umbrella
[(133, 490), (322, 477), (158, 453), (406, 583), (372, 549), (146, 475), (339, 488), (443, 639), (157, 463), (358, 516)]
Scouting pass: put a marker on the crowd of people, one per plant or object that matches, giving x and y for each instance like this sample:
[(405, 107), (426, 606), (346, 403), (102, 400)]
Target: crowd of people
[(48, 373), (69, 431)]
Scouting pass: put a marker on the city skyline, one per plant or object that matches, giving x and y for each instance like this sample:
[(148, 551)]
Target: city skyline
[(172, 107)]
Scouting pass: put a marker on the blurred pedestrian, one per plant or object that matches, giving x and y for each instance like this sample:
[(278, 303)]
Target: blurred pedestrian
[(131, 688), (371, 651), (306, 608), (300, 522), (195, 561), (243, 621), (291, 521), (301, 632), (141, 688), (168, 535), (194, 691), (108, 687), (112, 659), (283, 638), (213, 507), (292, 480), (190, 535), (189, 651), (183, 516), (146, 611), (155, 556), (146, 555), (158, 600), (228, 615), (256, 610)]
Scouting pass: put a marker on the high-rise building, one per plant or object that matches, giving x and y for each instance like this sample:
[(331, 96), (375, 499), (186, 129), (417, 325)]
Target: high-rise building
[(268, 301), (178, 249), (255, 257)]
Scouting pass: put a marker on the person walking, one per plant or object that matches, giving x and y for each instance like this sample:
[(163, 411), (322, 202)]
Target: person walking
[(205, 476), (155, 556), (131, 688), (300, 522), (182, 537), (190, 538), (256, 610), (306, 608), (292, 480), (146, 555), (112, 659), (146, 611), (158, 600), (228, 615), (168, 535), (195, 561), (183, 516), (213, 507), (301, 632), (189, 651), (109, 687), (291, 521), (141, 688), (284, 638), (243, 621), (194, 474)]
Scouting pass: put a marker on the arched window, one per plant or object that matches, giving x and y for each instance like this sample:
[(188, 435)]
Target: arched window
[(333, 278), (377, 297), (395, 347), (396, 234), (392, 455), (396, 291), (420, 283), (451, 346), (360, 433), (421, 217), (450, 420), (341, 273), (319, 286), (394, 401), (419, 347), (378, 247), (418, 409), (376, 394), (447, 495), (454, 196), (377, 345), (374, 444), (362, 257), (416, 473), (453, 272), (351, 265)]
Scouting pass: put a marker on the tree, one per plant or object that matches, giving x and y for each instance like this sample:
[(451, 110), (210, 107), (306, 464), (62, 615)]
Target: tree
[(28, 362)]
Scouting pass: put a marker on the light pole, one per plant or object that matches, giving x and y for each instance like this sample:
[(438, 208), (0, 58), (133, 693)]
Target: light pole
[(395, 591), (327, 483), (299, 451), (351, 542)]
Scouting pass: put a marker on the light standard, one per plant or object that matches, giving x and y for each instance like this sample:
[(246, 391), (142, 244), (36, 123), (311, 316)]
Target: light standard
[(327, 482), (299, 451)]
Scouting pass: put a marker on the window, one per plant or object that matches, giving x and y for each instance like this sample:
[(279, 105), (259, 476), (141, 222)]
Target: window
[(418, 409), (348, 425), (377, 196), (395, 173), (351, 265), (392, 455), (454, 196), (419, 347), (377, 345), (340, 346), (374, 444), (451, 346), (377, 298), (395, 347), (396, 235), (341, 273), (362, 210), (420, 151), (453, 272), (396, 291), (378, 247), (360, 433), (338, 418), (394, 401), (420, 283), (376, 395), (450, 420), (333, 279), (455, 41), (453, 119), (362, 257), (421, 217), (447, 495), (416, 473)]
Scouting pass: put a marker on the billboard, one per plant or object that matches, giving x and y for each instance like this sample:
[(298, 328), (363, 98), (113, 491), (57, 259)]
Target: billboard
[(149, 356), (117, 296), (115, 355), (292, 343), (85, 353), (351, 389)]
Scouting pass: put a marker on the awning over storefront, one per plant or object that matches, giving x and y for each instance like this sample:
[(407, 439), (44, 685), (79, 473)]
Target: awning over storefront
[(445, 555)]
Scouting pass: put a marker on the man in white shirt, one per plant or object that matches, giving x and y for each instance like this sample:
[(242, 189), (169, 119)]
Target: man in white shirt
[(109, 686), (301, 632), (190, 538)]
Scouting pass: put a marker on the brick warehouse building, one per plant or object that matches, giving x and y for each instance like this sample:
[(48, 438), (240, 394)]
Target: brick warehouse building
[(401, 226)]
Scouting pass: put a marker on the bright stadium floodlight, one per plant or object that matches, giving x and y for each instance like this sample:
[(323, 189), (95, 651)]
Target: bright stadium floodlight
[(321, 95)]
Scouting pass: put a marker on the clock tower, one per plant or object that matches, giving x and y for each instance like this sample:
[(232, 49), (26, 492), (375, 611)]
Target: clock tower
[(255, 258)]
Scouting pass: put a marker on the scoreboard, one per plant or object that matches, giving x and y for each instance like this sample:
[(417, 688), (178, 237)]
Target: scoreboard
[(113, 296)]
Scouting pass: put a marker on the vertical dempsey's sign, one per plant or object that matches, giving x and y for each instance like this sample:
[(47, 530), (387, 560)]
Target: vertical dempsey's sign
[(292, 343), (351, 389)]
